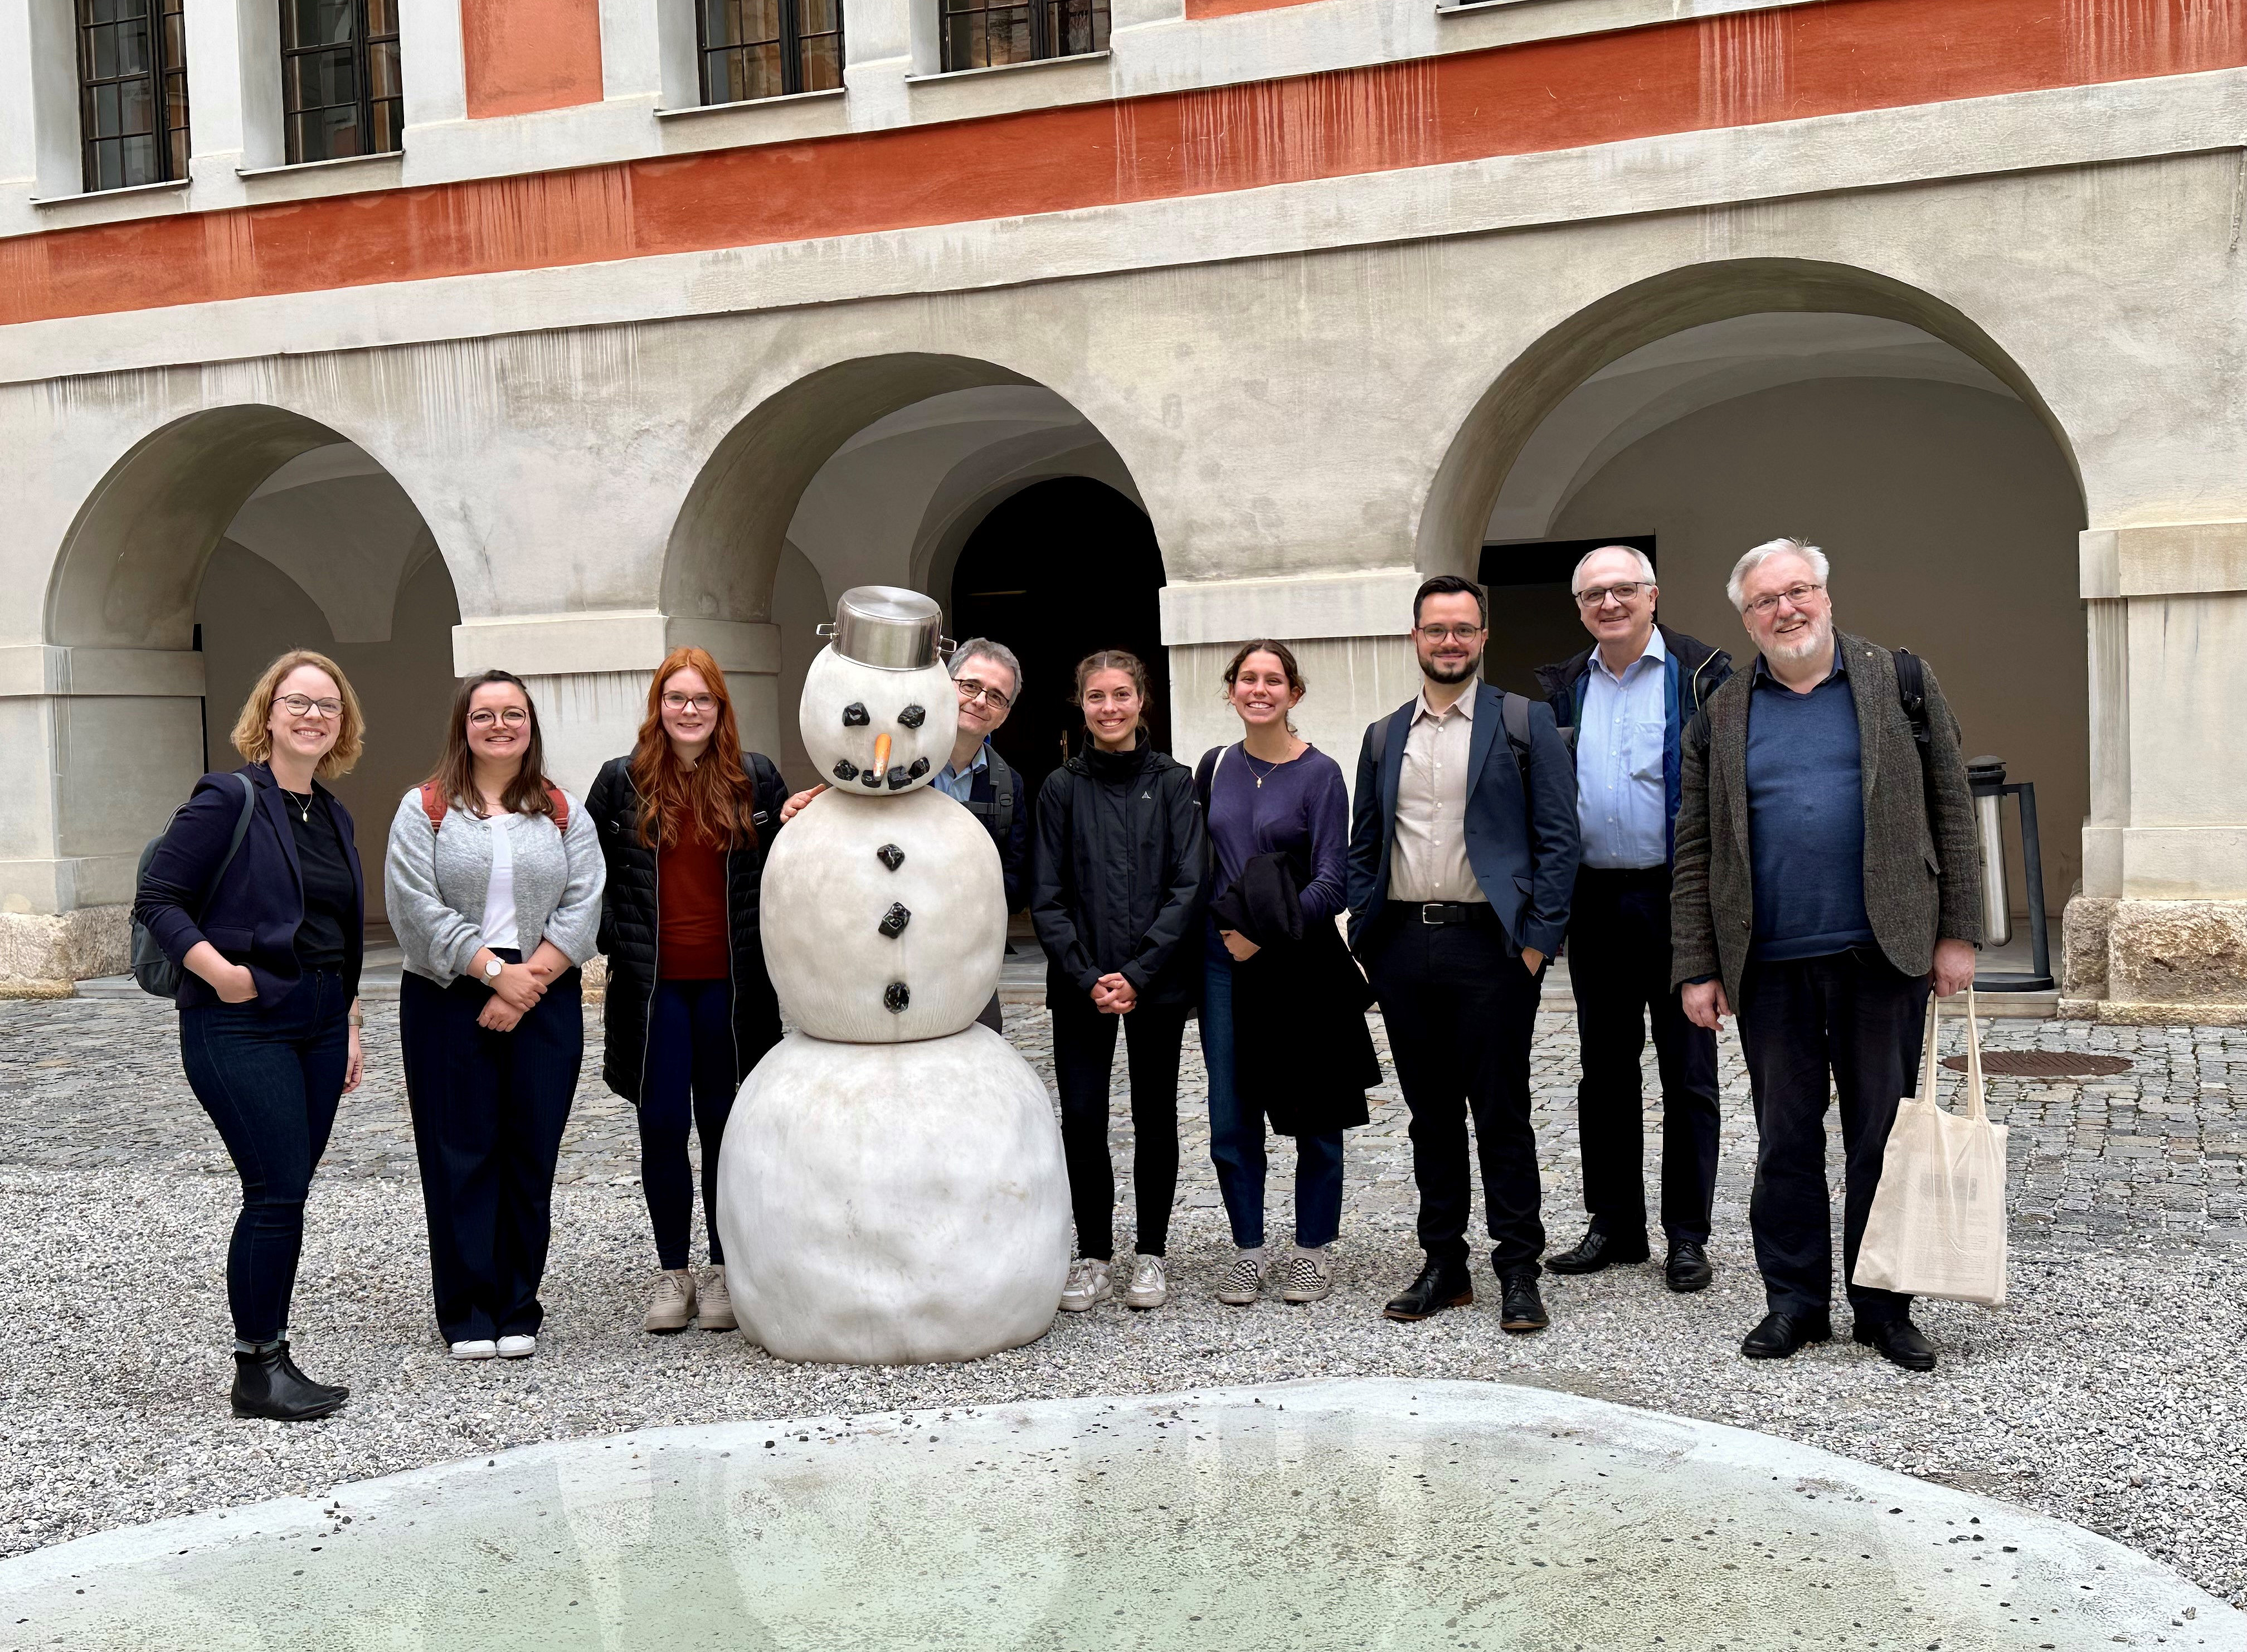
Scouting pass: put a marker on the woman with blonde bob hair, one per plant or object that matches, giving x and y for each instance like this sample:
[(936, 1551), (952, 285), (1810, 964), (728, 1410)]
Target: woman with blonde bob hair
[(494, 879), (685, 822), (254, 893)]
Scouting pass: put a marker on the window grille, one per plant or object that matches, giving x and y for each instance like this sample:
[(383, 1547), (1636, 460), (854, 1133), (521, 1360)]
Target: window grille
[(768, 48), (132, 91), (339, 85), (983, 36)]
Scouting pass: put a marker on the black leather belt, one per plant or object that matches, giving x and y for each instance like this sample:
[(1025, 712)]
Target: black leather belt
[(1444, 911), (1626, 877)]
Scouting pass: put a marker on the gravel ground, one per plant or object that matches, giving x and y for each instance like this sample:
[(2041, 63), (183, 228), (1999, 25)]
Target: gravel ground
[(2106, 1393)]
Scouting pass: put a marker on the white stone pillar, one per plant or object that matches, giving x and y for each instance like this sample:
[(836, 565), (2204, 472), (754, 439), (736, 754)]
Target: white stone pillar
[(1348, 632), (589, 673), (118, 737)]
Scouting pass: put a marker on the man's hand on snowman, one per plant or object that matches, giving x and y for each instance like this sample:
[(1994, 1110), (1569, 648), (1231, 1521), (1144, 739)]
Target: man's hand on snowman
[(789, 809)]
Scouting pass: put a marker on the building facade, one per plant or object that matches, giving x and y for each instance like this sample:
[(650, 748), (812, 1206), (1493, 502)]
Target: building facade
[(548, 334)]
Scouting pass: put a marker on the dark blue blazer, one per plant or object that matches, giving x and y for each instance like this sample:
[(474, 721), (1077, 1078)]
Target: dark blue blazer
[(1523, 850), (252, 916)]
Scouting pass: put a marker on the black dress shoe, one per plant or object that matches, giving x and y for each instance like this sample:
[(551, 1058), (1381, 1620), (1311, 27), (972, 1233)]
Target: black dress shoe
[(1781, 1334), (1597, 1250), (1688, 1268), (267, 1383), (1441, 1285), (1519, 1307), (1899, 1342)]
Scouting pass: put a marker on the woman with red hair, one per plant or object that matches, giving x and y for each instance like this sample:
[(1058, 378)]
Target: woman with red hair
[(684, 821)]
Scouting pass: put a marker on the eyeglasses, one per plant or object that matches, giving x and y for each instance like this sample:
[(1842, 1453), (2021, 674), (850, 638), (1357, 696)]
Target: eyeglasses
[(1596, 595), (513, 717), (302, 705), (1437, 633), (681, 702), (1798, 595), (970, 691)]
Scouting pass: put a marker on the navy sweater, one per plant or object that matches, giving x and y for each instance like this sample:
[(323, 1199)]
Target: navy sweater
[(1806, 820)]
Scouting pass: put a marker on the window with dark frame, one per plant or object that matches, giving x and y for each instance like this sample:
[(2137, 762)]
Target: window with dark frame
[(978, 35), (132, 91), (751, 49), (340, 84)]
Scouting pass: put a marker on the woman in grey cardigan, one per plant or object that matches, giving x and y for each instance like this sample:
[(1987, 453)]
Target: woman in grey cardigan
[(493, 878)]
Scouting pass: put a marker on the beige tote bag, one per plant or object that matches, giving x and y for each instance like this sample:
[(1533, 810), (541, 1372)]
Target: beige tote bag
[(1938, 1226)]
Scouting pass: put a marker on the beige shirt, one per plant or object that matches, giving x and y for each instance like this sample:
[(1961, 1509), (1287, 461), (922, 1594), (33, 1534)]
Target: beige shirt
[(1429, 862)]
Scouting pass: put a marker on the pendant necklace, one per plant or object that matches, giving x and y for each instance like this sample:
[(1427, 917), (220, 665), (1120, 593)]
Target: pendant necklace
[(1251, 761), (305, 809)]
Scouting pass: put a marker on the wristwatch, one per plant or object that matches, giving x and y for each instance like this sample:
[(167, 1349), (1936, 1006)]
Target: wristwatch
[(492, 969)]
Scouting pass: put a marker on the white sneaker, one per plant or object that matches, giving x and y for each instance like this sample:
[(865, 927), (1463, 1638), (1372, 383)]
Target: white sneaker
[(716, 1303), (1089, 1285), (481, 1347), (516, 1348), (1150, 1286), (1310, 1277), (671, 1305), (1243, 1282)]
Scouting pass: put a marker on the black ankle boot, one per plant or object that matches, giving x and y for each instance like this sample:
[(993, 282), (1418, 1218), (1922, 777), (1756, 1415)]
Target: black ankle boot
[(267, 1383)]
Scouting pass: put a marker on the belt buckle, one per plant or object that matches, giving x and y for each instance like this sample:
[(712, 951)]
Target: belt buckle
[(1430, 911)]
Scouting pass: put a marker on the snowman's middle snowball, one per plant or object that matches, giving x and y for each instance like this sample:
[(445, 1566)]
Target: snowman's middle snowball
[(838, 953)]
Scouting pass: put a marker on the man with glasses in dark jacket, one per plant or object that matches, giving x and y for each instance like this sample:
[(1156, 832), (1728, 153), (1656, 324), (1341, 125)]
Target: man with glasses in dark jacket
[(1462, 855), (989, 679), (1626, 701)]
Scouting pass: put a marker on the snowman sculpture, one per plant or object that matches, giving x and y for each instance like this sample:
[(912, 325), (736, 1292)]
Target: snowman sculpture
[(891, 1189)]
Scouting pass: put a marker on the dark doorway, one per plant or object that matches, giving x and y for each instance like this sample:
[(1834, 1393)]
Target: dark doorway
[(1532, 617), (1062, 569)]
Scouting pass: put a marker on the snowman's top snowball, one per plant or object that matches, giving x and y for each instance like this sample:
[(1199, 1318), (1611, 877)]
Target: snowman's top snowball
[(887, 627), (876, 731)]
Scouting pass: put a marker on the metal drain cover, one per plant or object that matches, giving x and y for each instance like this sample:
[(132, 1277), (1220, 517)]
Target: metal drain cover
[(2043, 1063)]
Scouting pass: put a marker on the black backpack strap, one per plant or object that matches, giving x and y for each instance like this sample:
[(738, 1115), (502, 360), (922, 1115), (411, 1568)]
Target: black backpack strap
[(1911, 690), (240, 827), (1513, 710), (1003, 787)]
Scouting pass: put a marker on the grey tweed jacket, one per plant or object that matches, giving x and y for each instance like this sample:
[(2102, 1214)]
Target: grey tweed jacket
[(1923, 868)]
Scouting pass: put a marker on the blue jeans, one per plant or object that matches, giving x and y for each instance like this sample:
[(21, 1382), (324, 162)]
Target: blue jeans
[(269, 1080), (1236, 1136), (689, 1079)]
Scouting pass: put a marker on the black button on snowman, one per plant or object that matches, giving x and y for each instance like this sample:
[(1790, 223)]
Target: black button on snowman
[(890, 1187)]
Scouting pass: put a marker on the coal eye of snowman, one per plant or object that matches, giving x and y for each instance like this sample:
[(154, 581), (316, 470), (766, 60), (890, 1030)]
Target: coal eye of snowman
[(913, 717), (853, 716)]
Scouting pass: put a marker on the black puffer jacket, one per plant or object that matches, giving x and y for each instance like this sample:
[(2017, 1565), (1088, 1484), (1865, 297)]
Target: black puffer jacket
[(628, 924), (1119, 874)]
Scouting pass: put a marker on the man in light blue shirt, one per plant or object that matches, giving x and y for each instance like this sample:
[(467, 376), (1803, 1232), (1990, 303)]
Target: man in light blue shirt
[(1626, 702)]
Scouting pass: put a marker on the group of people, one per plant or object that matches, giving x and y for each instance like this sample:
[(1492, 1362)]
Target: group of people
[(1704, 843)]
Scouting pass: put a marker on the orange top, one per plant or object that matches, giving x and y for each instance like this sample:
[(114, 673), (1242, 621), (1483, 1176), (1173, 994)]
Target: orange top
[(691, 918)]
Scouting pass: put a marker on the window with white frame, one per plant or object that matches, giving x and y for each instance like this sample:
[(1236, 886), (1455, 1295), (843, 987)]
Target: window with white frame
[(340, 84), (753, 49), (980, 35), (132, 91)]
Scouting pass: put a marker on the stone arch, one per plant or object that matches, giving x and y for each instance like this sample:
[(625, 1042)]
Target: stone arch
[(1525, 393)]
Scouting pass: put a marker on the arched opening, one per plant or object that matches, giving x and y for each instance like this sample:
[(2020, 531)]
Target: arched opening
[(1055, 572), (906, 470), (217, 544), (1706, 412)]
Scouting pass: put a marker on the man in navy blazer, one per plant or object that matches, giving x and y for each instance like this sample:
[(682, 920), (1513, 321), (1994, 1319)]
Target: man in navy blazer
[(1463, 854)]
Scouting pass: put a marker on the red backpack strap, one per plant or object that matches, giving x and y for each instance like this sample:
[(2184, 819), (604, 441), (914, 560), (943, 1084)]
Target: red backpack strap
[(561, 807), (432, 805)]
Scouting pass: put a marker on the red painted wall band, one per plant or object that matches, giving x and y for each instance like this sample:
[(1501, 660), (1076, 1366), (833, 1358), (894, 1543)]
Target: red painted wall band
[(1740, 69)]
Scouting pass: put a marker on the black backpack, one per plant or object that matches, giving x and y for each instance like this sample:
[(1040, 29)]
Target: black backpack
[(158, 974)]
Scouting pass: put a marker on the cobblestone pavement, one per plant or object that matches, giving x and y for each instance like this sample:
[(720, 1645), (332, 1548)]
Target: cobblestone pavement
[(2158, 1152), (2106, 1392)]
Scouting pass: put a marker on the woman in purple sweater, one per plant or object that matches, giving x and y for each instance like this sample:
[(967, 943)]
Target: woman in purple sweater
[(1283, 1028)]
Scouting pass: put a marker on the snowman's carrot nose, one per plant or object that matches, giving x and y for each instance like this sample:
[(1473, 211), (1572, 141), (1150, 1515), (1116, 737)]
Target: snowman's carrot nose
[(881, 754)]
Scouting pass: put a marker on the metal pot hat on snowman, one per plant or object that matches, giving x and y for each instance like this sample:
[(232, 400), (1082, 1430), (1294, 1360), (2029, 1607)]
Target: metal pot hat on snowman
[(884, 911)]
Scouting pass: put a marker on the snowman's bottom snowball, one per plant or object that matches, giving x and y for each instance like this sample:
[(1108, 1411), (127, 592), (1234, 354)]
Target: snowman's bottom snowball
[(894, 1204)]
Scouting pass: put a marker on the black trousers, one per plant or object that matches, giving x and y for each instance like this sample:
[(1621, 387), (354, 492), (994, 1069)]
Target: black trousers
[(1084, 1056), (1461, 1012), (1619, 969), (1854, 1020), (488, 1110)]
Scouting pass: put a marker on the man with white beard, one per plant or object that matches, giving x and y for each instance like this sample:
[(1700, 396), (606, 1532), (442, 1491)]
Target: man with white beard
[(1826, 873)]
